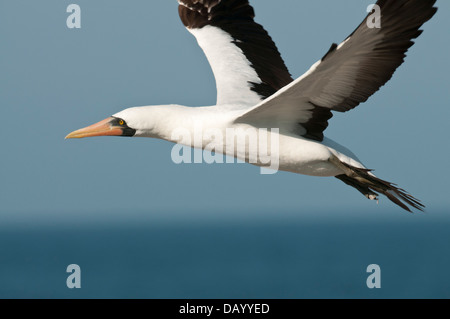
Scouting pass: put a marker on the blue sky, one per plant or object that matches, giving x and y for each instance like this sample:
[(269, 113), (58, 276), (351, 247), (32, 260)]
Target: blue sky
[(55, 80)]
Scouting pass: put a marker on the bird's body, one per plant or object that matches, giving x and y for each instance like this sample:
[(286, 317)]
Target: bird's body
[(262, 110), (213, 127)]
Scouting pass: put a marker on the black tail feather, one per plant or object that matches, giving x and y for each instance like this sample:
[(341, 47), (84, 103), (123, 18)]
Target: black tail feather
[(370, 186)]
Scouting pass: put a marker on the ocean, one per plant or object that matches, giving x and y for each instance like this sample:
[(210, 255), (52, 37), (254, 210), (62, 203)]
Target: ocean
[(257, 259)]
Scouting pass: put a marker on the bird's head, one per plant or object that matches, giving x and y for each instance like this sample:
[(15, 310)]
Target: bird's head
[(129, 122)]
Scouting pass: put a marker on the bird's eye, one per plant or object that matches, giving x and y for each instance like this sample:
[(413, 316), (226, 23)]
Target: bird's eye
[(121, 122)]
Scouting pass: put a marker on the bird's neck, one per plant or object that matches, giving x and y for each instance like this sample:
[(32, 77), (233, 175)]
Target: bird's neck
[(165, 119), (180, 124)]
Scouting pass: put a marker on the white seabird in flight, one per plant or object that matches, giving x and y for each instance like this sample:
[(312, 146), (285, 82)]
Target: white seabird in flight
[(255, 89)]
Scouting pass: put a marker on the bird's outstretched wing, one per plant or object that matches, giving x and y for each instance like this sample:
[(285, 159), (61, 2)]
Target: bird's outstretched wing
[(246, 63), (348, 74)]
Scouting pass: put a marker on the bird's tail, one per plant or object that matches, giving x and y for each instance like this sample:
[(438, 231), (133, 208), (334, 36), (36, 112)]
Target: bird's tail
[(371, 186)]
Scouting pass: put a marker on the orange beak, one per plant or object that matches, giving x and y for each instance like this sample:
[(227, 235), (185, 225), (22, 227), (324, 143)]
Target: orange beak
[(102, 128)]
